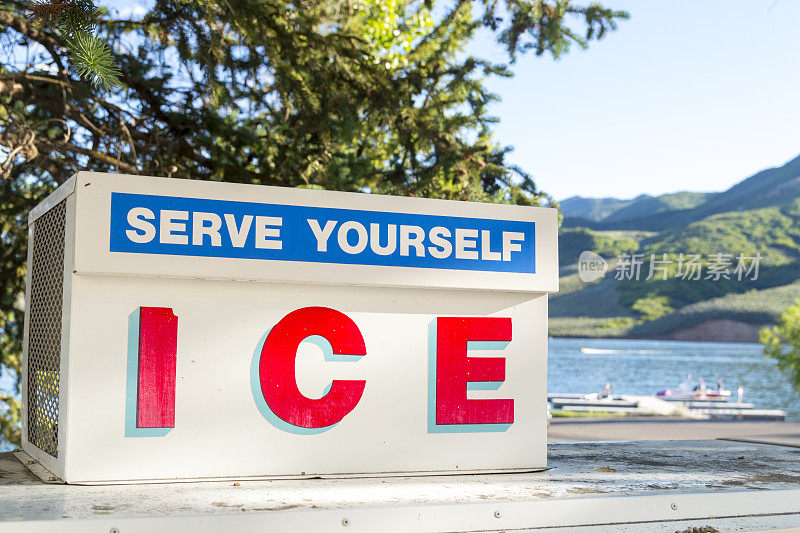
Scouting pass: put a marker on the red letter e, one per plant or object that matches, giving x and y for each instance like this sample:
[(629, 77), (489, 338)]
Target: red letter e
[(454, 369)]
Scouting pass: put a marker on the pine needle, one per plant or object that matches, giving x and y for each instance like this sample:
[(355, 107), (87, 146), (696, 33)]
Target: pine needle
[(91, 57)]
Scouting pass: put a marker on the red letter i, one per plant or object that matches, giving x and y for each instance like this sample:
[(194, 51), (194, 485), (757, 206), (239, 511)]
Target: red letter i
[(158, 346)]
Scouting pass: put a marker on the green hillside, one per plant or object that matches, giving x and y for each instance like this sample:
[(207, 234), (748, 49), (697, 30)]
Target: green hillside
[(651, 205), (763, 223), (572, 242)]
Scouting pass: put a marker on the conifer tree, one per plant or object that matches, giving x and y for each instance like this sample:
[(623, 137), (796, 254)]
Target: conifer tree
[(356, 95)]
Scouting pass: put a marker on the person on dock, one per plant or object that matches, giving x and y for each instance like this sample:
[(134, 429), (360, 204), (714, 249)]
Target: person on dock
[(606, 392)]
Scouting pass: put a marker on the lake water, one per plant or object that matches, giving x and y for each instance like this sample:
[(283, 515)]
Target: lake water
[(646, 367)]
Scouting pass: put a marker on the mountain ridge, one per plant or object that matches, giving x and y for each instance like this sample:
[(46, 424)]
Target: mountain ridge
[(768, 187)]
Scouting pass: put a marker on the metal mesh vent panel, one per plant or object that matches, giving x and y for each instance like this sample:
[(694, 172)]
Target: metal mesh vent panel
[(44, 330)]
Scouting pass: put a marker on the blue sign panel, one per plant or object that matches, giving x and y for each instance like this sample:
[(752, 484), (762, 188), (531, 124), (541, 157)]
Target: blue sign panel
[(219, 228)]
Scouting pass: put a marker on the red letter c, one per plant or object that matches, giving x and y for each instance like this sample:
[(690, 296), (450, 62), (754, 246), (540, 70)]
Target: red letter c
[(276, 369)]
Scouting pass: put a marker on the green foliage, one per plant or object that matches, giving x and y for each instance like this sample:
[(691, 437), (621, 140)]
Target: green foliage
[(571, 242), (772, 232), (543, 26), (582, 313), (566, 413), (652, 307), (752, 307), (355, 95), (10, 408), (391, 29), (92, 59), (782, 343), (598, 300), (75, 20), (590, 327), (620, 322), (69, 16)]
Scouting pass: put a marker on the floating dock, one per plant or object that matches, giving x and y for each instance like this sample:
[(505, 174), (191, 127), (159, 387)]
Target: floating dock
[(630, 405)]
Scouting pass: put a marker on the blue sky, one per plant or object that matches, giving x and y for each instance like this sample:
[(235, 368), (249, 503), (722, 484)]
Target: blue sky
[(686, 95)]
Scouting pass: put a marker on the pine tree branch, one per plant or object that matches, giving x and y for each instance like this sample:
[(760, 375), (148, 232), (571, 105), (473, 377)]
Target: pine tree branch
[(76, 20), (103, 158)]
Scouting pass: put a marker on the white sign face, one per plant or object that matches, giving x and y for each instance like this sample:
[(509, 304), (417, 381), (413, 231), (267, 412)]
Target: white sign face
[(216, 330)]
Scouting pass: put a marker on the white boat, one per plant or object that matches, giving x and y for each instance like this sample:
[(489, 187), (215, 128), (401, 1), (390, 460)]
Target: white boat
[(605, 351), (687, 391), (690, 394)]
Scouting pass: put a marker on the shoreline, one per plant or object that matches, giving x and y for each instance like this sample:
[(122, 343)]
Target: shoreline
[(671, 428), (634, 338), (711, 330)]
